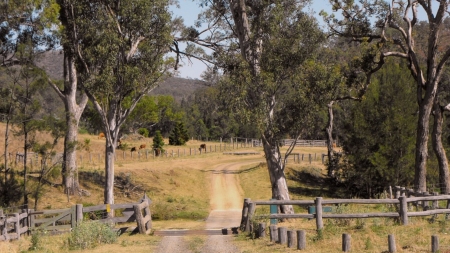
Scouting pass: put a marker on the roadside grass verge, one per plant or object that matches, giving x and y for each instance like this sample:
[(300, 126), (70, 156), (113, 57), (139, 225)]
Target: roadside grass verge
[(307, 181)]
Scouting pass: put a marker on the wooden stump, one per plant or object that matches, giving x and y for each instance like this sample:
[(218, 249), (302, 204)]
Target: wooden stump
[(262, 230), (273, 233), (282, 235), (434, 243), (346, 242), (290, 238), (391, 243), (301, 239)]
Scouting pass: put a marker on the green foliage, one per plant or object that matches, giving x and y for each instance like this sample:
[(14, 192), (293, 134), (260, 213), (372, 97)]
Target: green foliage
[(143, 132), (158, 141), (179, 135), (89, 234), (379, 138), (36, 240), (10, 189)]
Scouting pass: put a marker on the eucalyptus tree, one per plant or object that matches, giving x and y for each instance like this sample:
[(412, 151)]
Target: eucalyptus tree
[(265, 51), (74, 100), (395, 34), (120, 51), (23, 26)]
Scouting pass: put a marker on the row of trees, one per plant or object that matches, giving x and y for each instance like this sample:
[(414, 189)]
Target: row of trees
[(276, 74)]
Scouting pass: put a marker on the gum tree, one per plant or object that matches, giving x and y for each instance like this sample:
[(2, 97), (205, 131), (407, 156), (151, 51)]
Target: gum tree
[(396, 34), (120, 49)]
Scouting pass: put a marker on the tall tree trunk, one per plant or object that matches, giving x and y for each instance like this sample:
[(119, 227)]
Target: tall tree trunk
[(69, 168), (109, 175), (25, 157), (329, 130), (276, 172), (423, 131), (73, 109), (438, 147)]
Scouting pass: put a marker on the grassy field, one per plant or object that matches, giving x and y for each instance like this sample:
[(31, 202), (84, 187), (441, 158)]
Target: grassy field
[(179, 186)]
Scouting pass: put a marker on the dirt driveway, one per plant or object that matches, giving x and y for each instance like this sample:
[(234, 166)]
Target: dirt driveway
[(226, 210)]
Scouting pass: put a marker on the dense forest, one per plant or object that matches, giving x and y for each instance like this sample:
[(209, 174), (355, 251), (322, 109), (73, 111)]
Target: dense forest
[(376, 82)]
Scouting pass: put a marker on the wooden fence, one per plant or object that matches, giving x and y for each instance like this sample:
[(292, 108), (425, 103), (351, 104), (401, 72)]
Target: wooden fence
[(403, 203), (13, 225), (304, 143)]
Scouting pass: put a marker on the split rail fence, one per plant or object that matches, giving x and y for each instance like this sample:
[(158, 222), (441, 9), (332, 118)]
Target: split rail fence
[(403, 203), (13, 225)]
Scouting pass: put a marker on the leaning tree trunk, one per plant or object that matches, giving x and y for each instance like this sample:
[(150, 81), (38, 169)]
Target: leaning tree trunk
[(438, 147), (275, 166), (329, 130)]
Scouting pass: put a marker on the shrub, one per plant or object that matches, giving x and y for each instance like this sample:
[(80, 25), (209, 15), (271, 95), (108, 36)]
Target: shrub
[(91, 233), (143, 132)]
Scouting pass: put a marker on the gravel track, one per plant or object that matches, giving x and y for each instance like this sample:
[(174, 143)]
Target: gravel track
[(226, 205)]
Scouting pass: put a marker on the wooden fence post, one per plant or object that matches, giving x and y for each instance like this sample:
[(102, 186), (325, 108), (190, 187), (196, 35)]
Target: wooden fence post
[(79, 214), (244, 215), (319, 221), (301, 239), (273, 233), (403, 210), (282, 235), (290, 238), (346, 242), (391, 243), (262, 230), (139, 219), (434, 243), (17, 224), (251, 212)]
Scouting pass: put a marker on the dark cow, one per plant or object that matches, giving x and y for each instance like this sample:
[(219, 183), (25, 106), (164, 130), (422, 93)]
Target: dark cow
[(202, 146), (133, 149)]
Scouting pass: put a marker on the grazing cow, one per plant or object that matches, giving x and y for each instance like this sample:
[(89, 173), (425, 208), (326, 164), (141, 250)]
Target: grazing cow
[(133, 149), (101, 135), (202, 146), (142, 146)]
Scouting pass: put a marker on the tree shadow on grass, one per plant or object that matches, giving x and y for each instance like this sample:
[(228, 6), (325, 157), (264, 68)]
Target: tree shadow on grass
[(314, 184)]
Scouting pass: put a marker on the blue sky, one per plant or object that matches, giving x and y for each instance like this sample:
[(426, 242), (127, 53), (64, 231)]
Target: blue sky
[(189, 10)]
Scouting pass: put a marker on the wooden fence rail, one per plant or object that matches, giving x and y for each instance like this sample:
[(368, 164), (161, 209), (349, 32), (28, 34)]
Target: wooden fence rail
[(63, 220), (248, 212)]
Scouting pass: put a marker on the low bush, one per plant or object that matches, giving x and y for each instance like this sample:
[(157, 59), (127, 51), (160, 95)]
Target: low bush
[(90, 234)]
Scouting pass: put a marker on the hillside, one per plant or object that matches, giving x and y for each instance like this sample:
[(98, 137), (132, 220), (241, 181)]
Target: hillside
[(177, 87)]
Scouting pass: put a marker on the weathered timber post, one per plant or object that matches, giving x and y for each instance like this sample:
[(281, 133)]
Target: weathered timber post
[(346, 242), (17, 224), (301, 239), (290, 238), (391, 244), (273, 233), (310, 158), (244, 214), (403, 212), (282, 235), (390, 192), (434, 243), (319, 221), (79, 214), (426, 203), (397, 192), (262, 230), (251, 212)]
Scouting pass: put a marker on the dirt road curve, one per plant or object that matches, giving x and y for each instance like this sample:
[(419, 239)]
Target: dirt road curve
[(226, 210)]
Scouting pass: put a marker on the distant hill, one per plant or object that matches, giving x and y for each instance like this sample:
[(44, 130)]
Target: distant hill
[(177, 87)]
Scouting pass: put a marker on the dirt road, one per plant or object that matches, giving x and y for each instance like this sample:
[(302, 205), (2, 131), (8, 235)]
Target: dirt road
[(226, 210)]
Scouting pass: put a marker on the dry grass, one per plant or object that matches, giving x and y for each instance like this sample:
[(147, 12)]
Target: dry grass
[(180, 186)]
